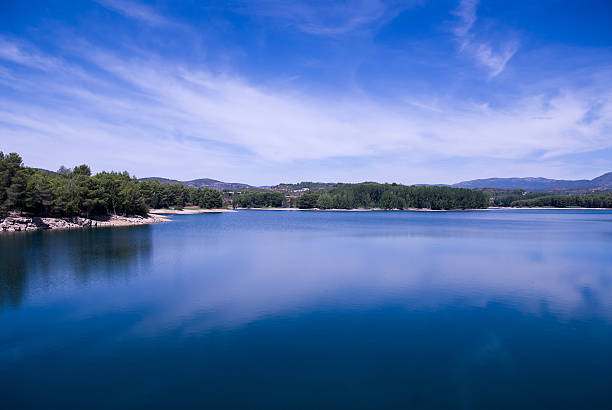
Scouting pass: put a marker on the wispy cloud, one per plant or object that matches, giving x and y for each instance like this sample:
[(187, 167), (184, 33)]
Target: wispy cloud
[(492, 57), (466, 12), (135, 10), (155, 109), (328, 18), (20, 53), (495, 60)]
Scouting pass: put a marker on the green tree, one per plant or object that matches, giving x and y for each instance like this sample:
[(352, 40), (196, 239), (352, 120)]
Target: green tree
[(16, 192), (388, 200), (325, 201), (308, 201), (82, 170)]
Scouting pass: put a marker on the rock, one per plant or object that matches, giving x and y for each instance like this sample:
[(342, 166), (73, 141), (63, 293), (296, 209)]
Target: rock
[(17, 223)]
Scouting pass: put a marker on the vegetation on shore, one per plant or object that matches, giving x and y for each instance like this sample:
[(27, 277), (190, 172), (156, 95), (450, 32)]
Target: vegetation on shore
[(567, 201), (310, 186), (505, 198), (370, 195), (77, 193), (393, 196), (260, 199), (520, 198)]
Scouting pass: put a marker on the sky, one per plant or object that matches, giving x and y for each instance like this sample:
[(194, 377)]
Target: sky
[(263, 92)]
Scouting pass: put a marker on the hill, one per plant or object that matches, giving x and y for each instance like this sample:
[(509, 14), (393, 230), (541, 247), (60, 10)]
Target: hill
[(306, 186), (160, 179), (539, 184), (45, 171), (201, 183), (604, 180)]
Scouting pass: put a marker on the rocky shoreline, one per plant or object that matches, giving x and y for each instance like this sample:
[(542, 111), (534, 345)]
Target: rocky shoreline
[(16, 223)]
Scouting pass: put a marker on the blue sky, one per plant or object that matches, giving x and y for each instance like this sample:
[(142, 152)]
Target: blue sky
[(264, 92)]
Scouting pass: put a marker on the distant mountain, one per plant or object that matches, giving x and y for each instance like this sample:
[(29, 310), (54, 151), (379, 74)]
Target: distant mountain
[(538, 184), (201, 183), (46, 171), (160, 179), (307, 186), (604, 180), (214, 184)]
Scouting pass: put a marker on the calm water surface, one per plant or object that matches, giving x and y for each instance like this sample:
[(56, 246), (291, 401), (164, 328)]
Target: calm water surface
[(312, 310)]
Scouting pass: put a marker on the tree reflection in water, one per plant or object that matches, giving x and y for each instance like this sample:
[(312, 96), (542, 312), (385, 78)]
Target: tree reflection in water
[(41, 259)]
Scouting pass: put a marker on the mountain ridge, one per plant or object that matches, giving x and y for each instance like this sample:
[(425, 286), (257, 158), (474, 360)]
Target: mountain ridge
[(537, 183), (525, 183), (201, 183)]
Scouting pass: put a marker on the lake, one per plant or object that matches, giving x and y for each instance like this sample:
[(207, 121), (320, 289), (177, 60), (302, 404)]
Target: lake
[(489, 309)]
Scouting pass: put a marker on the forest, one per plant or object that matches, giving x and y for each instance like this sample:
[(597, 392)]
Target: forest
[(75, 192), (505, 198), (259, 200), (370, 195), (565, 201), (393, 196)]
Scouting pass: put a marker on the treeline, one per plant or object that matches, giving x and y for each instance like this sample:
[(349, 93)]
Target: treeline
[(506, 199), (370, 195), (164, 195), (77, 193), (393, 196), (312, 186), (565, 201), (259, 200)]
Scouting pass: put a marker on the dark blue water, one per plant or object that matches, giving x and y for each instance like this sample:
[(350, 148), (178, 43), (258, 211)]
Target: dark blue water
[(312, 310)]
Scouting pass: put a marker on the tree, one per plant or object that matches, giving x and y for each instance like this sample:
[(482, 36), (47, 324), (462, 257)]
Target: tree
[(110, 184), (16, 192), (211, 199), (9, 165), (94, 202), (39, 195), (257, 200), (308, 201), (82, 170), (132, 200), (388, 200), (63, 171), (325, 201)]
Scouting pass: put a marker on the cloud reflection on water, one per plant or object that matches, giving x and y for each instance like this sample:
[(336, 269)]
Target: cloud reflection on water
[(222, 271), (258, 274)]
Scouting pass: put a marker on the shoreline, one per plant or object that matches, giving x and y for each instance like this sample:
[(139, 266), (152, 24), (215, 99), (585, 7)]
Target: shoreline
[(188, 211), (549, 208), (15, 223), (363, 209), (491, 208)]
